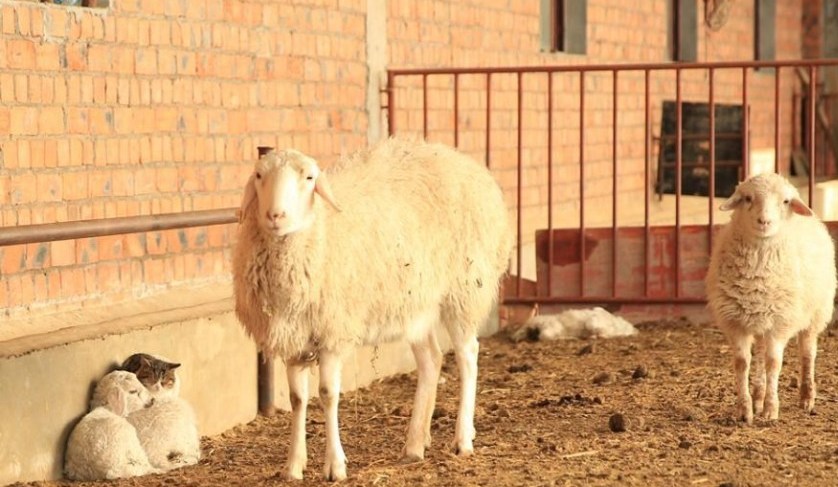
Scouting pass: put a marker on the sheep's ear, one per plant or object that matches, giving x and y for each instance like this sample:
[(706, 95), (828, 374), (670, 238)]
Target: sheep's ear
[(732, 202), (799, 207), (248, 197), (117, 401), (321, 187)]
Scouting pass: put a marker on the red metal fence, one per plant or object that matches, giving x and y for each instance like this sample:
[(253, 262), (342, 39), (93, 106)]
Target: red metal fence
[(536, 126)]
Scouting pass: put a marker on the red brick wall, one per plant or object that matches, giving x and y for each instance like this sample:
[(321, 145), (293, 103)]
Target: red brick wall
[(157, 106), (152, 107)]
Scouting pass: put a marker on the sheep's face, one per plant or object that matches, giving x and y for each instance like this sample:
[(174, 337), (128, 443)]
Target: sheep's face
[(284, 184), (121, 392), (763, 202)]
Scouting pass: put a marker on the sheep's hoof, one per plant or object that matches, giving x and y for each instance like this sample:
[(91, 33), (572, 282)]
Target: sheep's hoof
[(807, 398), (463, 450), (295, 471), (334, 471), (408, 458)]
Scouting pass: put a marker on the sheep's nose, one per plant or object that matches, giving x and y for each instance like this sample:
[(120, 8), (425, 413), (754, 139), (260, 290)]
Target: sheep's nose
[(274, 215), (763, 221)]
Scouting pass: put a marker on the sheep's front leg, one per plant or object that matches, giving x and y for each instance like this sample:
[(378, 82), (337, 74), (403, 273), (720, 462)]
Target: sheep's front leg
[(773, 363), (808, 345), (334, 465), (466, 349), (298, 392), (758, 376), (741, 347), (428, 365)]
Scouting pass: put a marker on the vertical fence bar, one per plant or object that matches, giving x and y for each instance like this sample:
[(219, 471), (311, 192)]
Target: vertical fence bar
[(265, 362), (581, 183), (520, 180), (679, 115), (746, 126), (614, 183), (711, 206), (777, 119), (391, 103), (488, 117), (456, 110), (647, 134), (549, 184), (812, 106), (425, 106)]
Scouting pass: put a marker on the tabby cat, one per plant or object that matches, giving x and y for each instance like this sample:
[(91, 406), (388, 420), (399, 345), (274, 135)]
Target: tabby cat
[(168, 429), (156, 374)]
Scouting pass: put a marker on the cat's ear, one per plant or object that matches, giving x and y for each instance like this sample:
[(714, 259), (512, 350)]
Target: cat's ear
[(171, 365), (145, 360)]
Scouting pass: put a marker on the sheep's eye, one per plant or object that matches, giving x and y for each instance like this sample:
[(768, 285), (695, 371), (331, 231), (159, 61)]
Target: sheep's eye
[(310, 177), (748, 199), (135, 391), (258, 176), (786, 201)]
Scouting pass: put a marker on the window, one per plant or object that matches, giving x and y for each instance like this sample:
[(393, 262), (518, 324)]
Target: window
[(564, 26), (765, 12), (682, 30)]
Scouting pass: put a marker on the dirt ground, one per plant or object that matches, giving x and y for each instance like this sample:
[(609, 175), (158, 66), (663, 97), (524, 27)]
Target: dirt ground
[(543, 419)]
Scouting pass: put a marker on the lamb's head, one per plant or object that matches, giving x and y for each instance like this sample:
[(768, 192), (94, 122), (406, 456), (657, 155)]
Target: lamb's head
[(762, 203), (121, 392), (282, 189)]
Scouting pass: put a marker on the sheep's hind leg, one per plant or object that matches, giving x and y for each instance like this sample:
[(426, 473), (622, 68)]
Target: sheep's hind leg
[(298, 392), (334, 465), (773, 363), (808, 345), (428, 365), (741, 347), (466, 349), (758, 376)]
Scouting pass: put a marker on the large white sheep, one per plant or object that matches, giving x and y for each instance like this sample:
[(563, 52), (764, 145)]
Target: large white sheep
[(771, 277), (103, 445), (411, 233)]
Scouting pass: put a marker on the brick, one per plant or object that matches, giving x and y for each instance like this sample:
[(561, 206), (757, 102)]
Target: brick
[(51, 120), (37, 255), (20, 53), (76, 56), (63, 253), (99, 57), (14, 259), (8, 19), (23, 121), (75, 186), (49, 187), (77, 120), (51, 153), (24, 20), (55, 22), (36, 155)]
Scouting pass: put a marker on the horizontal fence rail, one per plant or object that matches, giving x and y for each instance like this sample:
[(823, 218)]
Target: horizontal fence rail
[(50, 232), (521, 123)]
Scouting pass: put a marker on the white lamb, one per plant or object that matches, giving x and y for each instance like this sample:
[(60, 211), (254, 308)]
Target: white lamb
[(421, 234), (575, 323), (104, 445), (168, 433), (771, 277)]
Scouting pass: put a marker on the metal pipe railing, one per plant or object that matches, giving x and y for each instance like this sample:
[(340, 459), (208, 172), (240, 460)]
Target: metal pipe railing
[(691, 161), (51, 232)]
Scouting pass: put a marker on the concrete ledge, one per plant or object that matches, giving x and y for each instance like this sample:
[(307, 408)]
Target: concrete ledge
[(46, 379)]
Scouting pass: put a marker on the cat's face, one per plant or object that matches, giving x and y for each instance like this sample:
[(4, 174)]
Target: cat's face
[(157, 375)]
